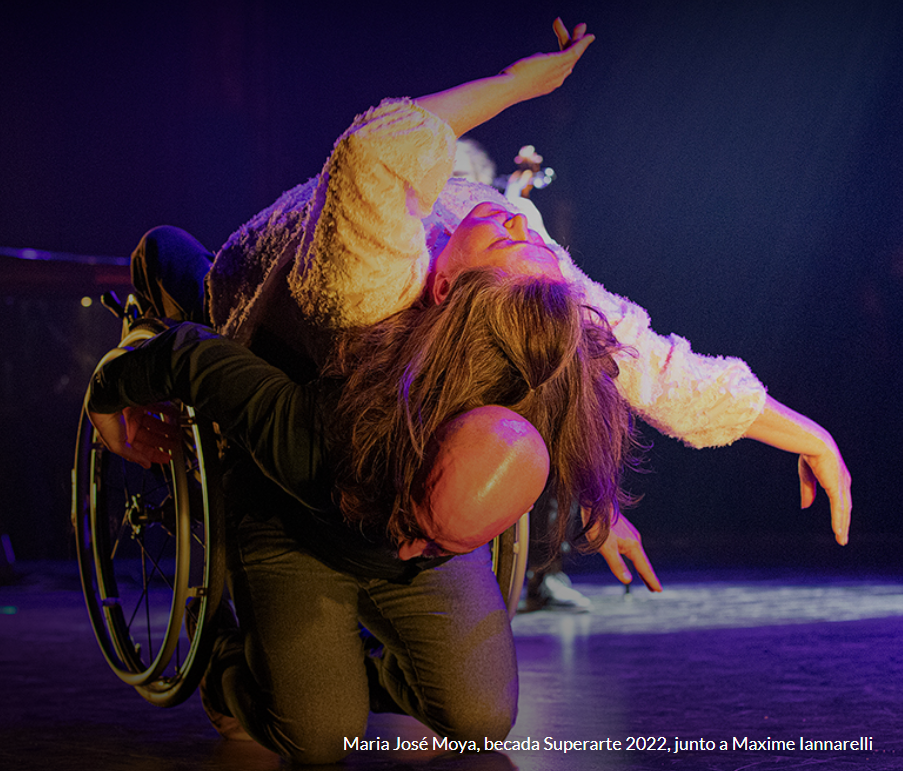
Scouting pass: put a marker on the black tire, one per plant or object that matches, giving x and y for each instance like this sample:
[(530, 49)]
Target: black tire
[(148, 542)]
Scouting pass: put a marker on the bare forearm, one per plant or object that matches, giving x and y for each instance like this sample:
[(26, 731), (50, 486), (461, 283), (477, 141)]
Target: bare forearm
[(820, 462), (467, 106), (782, 427), (470, 104)]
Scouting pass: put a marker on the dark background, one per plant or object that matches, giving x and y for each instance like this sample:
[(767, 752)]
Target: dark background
[(735, 167)]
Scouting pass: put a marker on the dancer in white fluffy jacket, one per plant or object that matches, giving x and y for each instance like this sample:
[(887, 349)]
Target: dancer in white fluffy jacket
[(383, 226), (378, 231)]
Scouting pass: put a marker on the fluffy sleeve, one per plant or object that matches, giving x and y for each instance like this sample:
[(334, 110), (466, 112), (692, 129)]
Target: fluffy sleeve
[(366, 257), (705, 401), (345, 248)]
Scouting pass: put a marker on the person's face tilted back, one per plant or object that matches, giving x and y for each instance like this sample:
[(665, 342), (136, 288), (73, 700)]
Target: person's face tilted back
[(491, 236)]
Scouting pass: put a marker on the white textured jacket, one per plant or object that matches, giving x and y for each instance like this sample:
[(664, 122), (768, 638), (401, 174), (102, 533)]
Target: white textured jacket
[(354, 245)]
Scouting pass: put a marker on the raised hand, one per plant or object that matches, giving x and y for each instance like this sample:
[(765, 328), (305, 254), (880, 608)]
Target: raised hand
[(565, 39), (543, 73)]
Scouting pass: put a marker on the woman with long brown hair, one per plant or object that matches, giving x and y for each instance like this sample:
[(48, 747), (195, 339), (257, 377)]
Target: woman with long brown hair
[(521, 342)]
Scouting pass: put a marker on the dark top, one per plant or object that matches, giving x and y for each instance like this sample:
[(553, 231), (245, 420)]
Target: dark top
[(277, 422)]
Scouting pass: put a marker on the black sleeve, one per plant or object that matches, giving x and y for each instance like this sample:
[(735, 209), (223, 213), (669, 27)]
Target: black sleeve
[(278, 421)]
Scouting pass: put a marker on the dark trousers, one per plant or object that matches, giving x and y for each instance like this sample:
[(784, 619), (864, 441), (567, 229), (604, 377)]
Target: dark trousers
[(305, 681)]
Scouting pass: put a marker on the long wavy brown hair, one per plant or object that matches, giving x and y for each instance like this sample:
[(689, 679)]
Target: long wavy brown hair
[(525, 343)]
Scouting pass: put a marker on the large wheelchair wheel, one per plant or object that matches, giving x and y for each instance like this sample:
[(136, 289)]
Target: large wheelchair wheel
[(151, 554), (509, 561)]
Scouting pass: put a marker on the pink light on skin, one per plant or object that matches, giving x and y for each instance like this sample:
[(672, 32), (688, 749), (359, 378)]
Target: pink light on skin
[(489, 467), (491, 236)]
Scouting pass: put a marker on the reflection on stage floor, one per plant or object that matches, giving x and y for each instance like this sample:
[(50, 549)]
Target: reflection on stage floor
[(756, 663)]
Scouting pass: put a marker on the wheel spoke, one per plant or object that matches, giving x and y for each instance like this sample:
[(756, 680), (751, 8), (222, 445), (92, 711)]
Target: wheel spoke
[(145, 594), (123, 529), (200, 540), (156, 571)]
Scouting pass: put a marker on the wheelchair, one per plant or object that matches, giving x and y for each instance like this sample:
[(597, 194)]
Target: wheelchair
[(151, 551)]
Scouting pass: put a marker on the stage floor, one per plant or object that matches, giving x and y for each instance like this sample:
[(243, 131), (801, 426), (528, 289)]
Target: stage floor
[(718, 657)]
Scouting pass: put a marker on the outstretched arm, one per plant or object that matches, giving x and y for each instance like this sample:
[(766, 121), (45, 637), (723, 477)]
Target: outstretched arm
[(820, 462), (254, 403), (470, 104)]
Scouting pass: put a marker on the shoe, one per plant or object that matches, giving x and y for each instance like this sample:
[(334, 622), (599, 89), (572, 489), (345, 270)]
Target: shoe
[(555, 590), (226, 625)]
